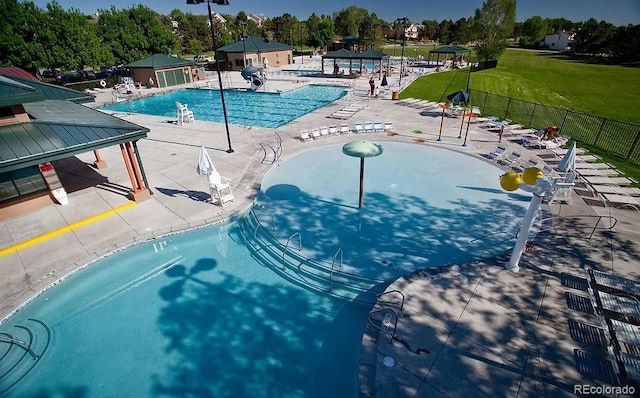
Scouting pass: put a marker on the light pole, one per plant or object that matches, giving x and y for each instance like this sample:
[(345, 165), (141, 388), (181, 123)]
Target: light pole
[(215, 56), (404, 22), (301, 46), (244, 48), (373, 44)]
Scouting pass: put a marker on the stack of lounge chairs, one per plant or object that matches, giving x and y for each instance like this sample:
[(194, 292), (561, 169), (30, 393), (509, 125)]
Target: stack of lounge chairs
[(346, 112)]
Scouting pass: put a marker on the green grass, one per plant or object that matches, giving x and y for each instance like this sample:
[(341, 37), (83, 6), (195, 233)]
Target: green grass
[(546, 78), (555, 80)]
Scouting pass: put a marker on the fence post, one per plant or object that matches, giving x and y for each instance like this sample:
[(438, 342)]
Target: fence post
[(566, 113), (599, 132), (484, 104), (533, 112), (635, 142), (506, 111)]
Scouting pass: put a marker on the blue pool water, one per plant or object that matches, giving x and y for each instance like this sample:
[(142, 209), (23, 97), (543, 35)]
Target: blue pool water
[(194, 314), (245, 108), (188, 315)]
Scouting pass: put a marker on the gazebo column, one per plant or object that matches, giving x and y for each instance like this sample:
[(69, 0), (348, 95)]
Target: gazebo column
[(99, 163), (139, 191)]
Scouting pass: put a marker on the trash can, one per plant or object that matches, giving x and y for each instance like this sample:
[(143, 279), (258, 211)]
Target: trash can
[(394, 95)]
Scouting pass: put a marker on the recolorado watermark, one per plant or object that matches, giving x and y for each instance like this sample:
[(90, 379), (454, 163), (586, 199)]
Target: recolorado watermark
[(588, 389)]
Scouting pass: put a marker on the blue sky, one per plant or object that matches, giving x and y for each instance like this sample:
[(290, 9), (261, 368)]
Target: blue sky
[(618, 12)]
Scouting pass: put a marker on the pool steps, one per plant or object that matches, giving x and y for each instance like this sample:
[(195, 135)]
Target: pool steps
[(322, 277)]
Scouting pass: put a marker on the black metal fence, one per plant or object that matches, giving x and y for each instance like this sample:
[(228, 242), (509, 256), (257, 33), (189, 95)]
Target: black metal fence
[(619, 138)]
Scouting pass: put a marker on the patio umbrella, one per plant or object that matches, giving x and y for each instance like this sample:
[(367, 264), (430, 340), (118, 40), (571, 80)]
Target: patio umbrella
[(362, 149), (459, 96), (205, 165), (568, 162)]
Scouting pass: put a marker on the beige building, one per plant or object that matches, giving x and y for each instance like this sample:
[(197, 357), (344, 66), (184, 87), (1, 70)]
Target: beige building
[(256, 51)]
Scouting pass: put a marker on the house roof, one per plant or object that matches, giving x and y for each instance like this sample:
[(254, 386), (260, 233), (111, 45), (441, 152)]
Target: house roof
[(13, 92), (160, 61), (13, 71), (44, 90), (60, 129), (450, 50), (254, 44)]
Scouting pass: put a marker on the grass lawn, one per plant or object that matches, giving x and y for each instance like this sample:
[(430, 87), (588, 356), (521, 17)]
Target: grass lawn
[(551, 79), (546, 78)]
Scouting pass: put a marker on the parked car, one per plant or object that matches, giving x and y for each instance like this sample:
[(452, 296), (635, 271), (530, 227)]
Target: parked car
[(105, 73)]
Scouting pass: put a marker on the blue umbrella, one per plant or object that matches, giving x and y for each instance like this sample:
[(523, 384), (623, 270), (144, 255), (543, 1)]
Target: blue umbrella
[(459, 96)]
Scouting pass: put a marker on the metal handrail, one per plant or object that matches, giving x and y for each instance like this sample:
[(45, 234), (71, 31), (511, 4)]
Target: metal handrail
[(258, 224), (4, 338), (335, 256), (286, 247), (378, 296), (595, 227), (385, 331)]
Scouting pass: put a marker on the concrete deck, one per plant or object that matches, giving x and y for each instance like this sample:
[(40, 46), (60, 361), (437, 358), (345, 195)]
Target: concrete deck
[(473, 330)]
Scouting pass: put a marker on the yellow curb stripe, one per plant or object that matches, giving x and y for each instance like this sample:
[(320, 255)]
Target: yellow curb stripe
[(65, 229)]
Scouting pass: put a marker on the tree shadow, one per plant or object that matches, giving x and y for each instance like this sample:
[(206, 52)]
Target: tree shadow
[(198, 196)]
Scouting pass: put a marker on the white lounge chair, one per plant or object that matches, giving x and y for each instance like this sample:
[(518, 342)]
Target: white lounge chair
[(344, 129), (613, 189), (304, 135), (511, 158), (368, 127), (378, 127), (333, 130), (324, 131), (358, 128), (497, 153), (388, 126), (315, 133), (621, 200)]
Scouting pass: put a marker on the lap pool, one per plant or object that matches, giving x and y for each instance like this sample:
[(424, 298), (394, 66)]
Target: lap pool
[(246, 108), (194, 314)]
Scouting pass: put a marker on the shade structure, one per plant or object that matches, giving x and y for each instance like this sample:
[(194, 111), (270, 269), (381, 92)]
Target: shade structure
[(362, 149), (568, 162), (459, 96), (205, 164)]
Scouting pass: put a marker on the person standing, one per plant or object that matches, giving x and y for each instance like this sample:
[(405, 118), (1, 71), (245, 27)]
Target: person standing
[(372, 86), (377, 92)]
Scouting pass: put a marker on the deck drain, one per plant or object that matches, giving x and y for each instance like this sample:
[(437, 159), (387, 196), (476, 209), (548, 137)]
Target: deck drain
[(389, 362)]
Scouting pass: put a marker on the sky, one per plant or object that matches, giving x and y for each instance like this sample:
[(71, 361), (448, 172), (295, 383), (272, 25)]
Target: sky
[(617, 12)]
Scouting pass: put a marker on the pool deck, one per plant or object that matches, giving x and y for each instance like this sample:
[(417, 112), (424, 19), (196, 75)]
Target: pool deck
[(471, 330)]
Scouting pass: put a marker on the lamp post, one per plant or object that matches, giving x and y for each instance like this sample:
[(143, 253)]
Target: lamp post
[(404, 22), (244, 48), (301, 44), (215, 56)]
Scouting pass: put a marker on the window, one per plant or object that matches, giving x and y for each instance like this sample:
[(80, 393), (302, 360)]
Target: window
[(18, 183)]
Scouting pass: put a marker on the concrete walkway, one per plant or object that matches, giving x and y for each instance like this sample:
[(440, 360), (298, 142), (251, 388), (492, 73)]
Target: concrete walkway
[(473, 330)]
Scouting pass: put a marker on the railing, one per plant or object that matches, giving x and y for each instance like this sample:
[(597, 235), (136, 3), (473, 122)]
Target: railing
[(286, 247), (386, 323), (274, 149), (379, 296), (258, 225), (616, 137), (612, 223), (335, 257), (5, 338)]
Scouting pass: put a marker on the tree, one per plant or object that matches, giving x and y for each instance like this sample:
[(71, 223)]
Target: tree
[(533, 31), (430, 28), (494, 23), (350, 21)]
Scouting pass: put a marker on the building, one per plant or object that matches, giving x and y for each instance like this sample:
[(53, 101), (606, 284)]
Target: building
[(257, 51), (561, 41), (41, 129), (259, 19), (165, 70)]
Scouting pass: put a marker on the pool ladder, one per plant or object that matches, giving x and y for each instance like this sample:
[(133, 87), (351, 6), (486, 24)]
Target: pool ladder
[(5, 338)]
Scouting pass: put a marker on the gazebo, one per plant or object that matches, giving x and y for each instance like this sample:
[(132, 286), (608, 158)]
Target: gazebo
[(455, 50), (344, 54)]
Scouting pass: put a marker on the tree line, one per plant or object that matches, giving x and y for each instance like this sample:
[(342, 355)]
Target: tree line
[(53, 38)]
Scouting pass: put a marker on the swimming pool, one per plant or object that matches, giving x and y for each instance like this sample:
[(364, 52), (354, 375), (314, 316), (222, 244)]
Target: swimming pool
[(245, 108), (187, 315), (194, 314)]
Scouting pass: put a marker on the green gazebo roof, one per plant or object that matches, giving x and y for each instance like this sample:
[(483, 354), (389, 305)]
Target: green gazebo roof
[(13, 92), (450, 50)]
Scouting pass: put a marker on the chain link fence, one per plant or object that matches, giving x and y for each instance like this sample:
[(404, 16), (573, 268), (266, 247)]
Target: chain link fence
[(619, 138)]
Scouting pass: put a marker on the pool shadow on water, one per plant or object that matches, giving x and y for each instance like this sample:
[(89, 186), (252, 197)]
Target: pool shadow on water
[(230, 337), (392, 235)]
